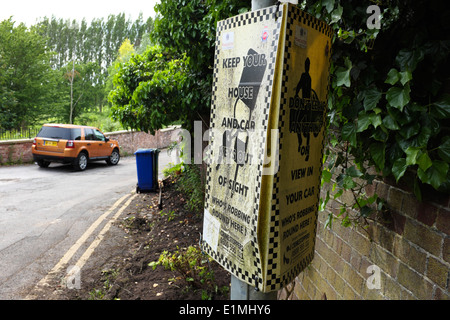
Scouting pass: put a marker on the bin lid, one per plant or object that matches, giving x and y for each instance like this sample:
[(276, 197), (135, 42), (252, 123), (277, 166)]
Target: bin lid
[(141, 151)]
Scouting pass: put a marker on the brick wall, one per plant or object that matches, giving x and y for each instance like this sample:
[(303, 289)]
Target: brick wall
[(16, 151), (410, 252), (19, 151), (130, 142)]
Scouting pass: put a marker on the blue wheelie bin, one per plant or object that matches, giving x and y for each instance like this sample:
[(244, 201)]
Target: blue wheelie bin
[(147, 170)]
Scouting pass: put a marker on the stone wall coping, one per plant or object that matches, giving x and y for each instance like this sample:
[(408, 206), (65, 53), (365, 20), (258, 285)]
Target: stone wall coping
[(170, 128), (18, 141)]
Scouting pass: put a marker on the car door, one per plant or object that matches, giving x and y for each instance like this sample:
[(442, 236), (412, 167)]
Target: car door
[(104, 148), (91, 142)]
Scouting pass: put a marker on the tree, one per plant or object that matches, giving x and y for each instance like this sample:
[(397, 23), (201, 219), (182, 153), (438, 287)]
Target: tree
[(7, 101), (26, 75), (126, 50), (97, 42), (78, 86), (149, 90), (175, 84)]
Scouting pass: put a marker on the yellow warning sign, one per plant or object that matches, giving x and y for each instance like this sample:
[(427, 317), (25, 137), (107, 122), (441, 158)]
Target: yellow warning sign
[(266, 144)]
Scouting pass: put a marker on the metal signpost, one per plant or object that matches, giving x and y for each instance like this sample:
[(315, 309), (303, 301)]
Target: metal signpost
[(266, 146)]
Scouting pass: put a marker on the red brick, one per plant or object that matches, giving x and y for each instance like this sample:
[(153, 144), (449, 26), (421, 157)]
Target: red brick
[(382, 190), (443, 221), (383, 236), (427, 213), (398, 223), (395, 199), (441, 295), (411, 206), (370, 189)]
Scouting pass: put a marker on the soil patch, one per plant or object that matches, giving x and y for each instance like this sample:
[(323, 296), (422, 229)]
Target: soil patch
[(146, 232)]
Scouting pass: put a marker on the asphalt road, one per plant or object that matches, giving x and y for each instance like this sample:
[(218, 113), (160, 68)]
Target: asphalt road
[(44, 212)]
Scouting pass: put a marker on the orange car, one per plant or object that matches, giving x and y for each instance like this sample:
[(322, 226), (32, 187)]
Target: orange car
[(73, 144)]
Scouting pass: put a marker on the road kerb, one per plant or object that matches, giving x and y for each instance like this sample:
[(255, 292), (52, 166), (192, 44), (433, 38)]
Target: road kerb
[(44, 282)]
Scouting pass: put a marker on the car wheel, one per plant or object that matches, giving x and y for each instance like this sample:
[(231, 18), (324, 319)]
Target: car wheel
[(113, 158), (43, 163), (81, 161)]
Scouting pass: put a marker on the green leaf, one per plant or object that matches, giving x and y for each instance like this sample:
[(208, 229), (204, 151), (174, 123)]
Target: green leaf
[(349, 133), (326, 175), (378, 153), (393, 77), (371, 98), (346, 222), (444, 150), (343, 77), (411, 155), (390, 123), (380, 135), (408, 59), (328, 4), (424, 161), (410, 130), (441, 109), (366, 211), (329, 221), (353, 172), (363, 122), (434, 175), (421, 140), (337, 14), (405, 77), (399, 168), (348, 182), (375, 119), (403, 143), (338, 194), (398, 97)]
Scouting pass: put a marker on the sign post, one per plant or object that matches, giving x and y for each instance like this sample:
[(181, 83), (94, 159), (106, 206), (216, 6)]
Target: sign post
[(265, 154)]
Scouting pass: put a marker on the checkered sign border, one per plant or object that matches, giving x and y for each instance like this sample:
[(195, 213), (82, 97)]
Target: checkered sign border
[(256, 278)]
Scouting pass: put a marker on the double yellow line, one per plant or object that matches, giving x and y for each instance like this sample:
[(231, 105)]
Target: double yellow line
[(86, 255)]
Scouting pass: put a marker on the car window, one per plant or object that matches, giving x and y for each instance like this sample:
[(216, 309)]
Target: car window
[(55, 133), (98, 135), (89, 134), (76, 134)]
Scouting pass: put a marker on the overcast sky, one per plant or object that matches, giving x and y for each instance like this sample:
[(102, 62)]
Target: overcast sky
[(28, 11)]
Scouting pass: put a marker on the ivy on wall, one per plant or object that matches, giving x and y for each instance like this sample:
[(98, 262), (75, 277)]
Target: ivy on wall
[(389, 102)]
